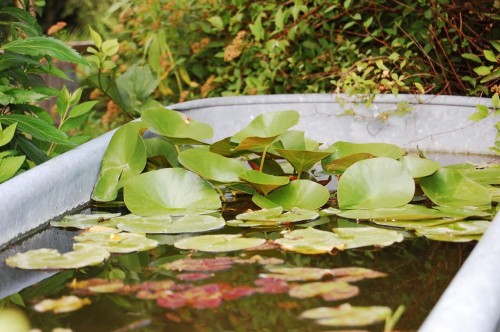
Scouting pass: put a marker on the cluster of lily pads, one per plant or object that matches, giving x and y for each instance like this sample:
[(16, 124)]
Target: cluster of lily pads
[(174, 182)]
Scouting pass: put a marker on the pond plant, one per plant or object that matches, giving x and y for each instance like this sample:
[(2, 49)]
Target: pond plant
[(171, 181)]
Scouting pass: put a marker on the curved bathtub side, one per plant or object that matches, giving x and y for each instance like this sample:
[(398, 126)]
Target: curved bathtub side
[(50, 189)]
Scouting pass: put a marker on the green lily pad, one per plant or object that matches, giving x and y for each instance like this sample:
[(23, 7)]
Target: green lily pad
[(302, 160), (375, 183), (52, 259), (276, 215), (347, 315), (415, 224), (166, 224), (460, 231), (357, 237), (328, 290), (448, 187), (176, 126), (486, 176), (338, 166), (159, 146), (212, 166), (420, 167), (303, 194), (114, 242), (345, 154), (124, 158), (83, 221), (162, 191), (264, 183), (310, 241), (264, 129), (218, 243), (406, 212)]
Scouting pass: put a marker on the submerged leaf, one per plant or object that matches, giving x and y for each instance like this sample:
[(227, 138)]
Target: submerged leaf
[(63, 304), (161, 191), (218, 243), (328, 290), (375, 183), (52, 259)]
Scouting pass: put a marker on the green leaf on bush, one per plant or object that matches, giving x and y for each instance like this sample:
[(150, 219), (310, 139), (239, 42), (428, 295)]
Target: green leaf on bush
[(471, 56), (482, 70), (44, 46), (36, 127), (9, 167)]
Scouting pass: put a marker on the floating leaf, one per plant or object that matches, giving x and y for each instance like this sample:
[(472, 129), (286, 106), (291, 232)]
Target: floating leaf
[(124, 158), (275, 215), (191, 223), (200, 264), (63, 304), (310, 241), (219, 242), (267, 126), (347, 315), (176, 126), (414, 224), (264, 183), (212, 166), (448, 187), (460, 231), (346, 274), (14, 320), (52, 259), (375, 183), (344, 154), (303, 194), (406, 212), (328, 290), (83, 221), (356, 237), (420, 167), (161, 191), (114, 242)]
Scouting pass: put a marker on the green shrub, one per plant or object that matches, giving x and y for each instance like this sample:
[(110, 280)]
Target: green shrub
[(216, 48), (30, 134)]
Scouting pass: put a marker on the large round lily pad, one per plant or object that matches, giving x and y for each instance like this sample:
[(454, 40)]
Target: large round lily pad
[(114, 242), (375, 183), (52, 259), (218, 242), (83, 221), (164, 190)]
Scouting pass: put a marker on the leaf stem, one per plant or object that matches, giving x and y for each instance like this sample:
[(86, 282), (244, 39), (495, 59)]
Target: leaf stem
[(261, 166)]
